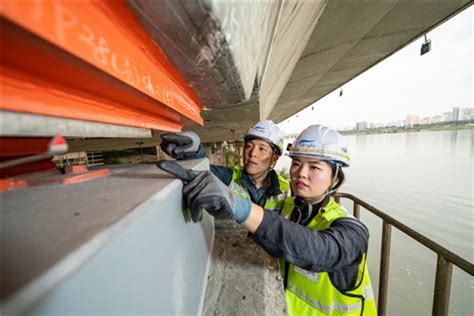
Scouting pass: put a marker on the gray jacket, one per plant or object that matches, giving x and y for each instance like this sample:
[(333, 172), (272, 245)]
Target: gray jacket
[(338, 250)]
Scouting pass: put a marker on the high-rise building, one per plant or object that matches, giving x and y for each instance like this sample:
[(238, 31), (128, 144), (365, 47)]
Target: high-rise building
[(360, 126), (456, 114)]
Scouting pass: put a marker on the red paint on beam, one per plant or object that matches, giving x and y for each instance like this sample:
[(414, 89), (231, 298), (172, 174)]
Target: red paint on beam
[(44, 165), (109, 37), (24, 146)]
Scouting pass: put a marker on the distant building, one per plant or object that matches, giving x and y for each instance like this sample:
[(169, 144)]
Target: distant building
[(448, 116), (412, 120), (467, 114), (436, 119), (456, 114), (396, 123), (360, 126)]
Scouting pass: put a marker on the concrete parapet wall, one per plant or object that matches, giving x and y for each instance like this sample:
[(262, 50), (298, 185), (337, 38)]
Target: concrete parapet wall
[(116, 245)]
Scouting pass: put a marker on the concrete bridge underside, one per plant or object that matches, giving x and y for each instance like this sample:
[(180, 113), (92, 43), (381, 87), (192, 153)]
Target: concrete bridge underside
[(249, 61), (254, 60)]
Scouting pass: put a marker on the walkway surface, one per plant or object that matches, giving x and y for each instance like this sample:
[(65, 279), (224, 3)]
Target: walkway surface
[(243, 279)]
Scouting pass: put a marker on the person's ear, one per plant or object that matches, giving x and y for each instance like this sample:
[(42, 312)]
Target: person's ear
[(274, 160)]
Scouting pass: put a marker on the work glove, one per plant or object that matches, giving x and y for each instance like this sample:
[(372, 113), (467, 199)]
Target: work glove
[(180, 145), (203, 190)]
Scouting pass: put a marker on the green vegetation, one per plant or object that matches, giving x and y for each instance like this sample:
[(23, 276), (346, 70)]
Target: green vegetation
[(455, 125), (284, 173)]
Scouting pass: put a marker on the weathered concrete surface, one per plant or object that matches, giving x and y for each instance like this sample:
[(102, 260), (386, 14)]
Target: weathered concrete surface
[(253, 60), (219, 47), (99, 247), (353, 36), (249, 60), (296, 23), (349, 38), (243, 279)]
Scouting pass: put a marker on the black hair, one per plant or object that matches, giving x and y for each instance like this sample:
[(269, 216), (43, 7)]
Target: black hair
[(275, 148), (340, 177)]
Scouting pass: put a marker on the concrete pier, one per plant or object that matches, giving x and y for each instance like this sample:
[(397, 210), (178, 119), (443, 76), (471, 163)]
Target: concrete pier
[(243, 279)]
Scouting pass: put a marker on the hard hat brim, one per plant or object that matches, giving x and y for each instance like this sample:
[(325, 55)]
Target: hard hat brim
[(251, 137), (320, 157)]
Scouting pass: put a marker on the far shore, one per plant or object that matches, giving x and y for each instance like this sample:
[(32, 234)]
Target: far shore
[(447, 126)]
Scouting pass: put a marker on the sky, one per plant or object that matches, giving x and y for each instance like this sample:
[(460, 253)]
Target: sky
[(403, 84)]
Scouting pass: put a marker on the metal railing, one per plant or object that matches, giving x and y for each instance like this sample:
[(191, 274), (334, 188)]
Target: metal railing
[(444, 267)]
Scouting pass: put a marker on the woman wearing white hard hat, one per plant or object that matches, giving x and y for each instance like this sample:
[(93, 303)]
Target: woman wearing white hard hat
[(323, 257), (321, 247), (263, 145)]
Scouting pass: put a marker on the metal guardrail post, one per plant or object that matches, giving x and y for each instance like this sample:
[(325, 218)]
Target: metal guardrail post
[(446, 259), (442, 290), (384, 268), (356, 211)]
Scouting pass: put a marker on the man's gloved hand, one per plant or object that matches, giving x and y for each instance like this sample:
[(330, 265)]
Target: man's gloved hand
[(203, 190), (180, 145)]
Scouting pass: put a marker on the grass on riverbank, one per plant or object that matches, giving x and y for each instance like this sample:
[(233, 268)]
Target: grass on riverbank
[(458, 125)]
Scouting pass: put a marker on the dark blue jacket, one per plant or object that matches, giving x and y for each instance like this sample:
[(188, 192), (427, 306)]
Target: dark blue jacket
[(258, 196)]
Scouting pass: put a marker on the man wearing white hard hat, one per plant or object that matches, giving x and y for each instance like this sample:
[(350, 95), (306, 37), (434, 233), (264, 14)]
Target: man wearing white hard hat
[(263, 145)]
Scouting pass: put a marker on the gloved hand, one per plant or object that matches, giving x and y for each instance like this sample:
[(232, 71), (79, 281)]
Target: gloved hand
[(203, 190), (180, 145)]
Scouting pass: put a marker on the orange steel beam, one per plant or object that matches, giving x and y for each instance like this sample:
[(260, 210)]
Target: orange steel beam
[(22, 92), (38, 61), (107, 35)]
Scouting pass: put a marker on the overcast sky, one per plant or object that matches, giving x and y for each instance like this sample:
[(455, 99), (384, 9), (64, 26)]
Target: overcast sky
[(405, 83)]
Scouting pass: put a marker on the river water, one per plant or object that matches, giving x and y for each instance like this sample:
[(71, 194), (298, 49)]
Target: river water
[(424, 180)]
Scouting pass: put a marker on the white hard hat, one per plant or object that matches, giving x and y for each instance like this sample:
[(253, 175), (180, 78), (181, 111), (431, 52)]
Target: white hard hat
[(268, 131), (321, 142)]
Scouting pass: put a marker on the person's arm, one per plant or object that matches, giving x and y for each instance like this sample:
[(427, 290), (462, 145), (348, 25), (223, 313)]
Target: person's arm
[(339, 246), (255, 218)]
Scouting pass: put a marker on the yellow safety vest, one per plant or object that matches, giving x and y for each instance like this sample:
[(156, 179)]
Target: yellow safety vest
[(312, 293), (273, 203)]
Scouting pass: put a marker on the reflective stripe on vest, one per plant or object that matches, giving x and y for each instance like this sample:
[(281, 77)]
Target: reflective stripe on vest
[(273, 203), (313, 293), (335, 306)]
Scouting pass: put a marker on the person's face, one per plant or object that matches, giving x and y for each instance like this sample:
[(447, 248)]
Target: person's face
[(258, 156), (310, 177)]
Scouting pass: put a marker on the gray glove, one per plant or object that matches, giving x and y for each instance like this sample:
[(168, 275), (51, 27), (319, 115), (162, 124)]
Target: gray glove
[(203, 190), (180, 145)]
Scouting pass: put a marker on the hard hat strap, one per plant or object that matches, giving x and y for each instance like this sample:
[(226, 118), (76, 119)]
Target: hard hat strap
[(333, 181)]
